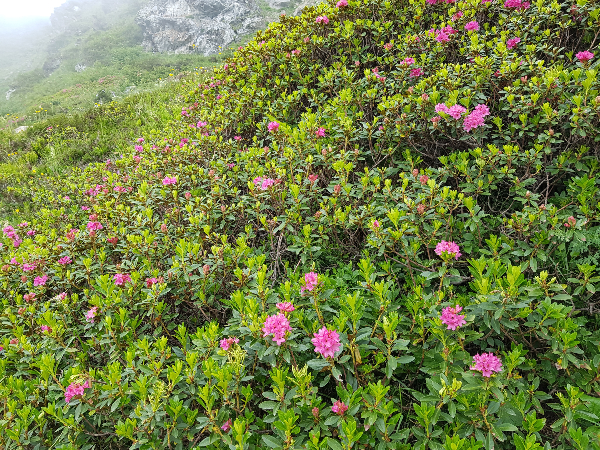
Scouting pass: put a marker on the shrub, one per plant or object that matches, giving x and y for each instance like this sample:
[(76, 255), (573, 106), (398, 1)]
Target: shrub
[(307, 260)]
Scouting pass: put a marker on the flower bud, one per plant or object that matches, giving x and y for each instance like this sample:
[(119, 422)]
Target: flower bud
[(206, 269)]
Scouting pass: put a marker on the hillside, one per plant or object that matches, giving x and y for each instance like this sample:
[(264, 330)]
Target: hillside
[(375, 226)]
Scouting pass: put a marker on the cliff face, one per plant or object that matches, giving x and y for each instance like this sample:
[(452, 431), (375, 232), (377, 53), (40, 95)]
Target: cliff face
[(202, 26)]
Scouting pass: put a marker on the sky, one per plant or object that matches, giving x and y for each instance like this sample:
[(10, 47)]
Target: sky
[(27, 8)]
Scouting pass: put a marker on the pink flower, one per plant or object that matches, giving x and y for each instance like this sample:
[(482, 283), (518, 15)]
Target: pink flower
[(227, 343), (227, 426), (320, 132), (140, 140), (285, 307), (310, 282), (472, 26), (451, 317), (65, 260), (169, 180), (94, 226), (326, 342), (62, 296), (91, 314), (487, 364), (441, 107), (231, 165), (441, 36), (75, 390), (201, 124), (584, 56), (322, 19), (476, 117), (277, 326), (138, 148), (339, 408), (315, 412), (449, 248), (312, 178), (151, 282), (376, 223), (342, 3), (46, 329), (121, 278), (456, 111), (27, 267), (517, 4), (263, 183), (512, 43), (458, 15), (273, 126), (423, 179), (237, 138), (40, 281), (416, 72)]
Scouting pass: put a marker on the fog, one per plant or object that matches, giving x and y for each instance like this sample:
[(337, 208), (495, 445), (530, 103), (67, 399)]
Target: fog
[(26, 9)]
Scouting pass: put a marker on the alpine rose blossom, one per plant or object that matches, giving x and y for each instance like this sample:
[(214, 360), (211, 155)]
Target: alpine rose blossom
[(46, 329), (472, 26), (263, 183), (342, 3), (169, 180), (339, 408), (416, 72), (64, 261), (456, 111), (320, 132), (75, 390), (450, 248), (310, 282), (121, 278), (584, 56), (512, 43), (227, 426), (94, 226), (326, 342), (273, 126), (40, 281), (487, 364), (285, 307), (225, 344), (91, 314), (452, 318), (277, 326)]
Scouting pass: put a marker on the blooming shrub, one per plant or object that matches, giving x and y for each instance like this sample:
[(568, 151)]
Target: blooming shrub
[(400, 282)]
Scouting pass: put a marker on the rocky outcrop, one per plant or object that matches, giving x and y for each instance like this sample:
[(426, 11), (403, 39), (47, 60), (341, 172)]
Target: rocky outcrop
[(205, 26)]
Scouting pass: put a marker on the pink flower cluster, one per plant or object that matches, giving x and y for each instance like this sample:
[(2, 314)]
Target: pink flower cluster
[(273, 126), (169, 180), (472, 26), (91, 314), (476, 118), (339, 408), (450, 248), (456, 111), (326, 342), (285, 307), (277, 326), (75, 390), (11, 234), (94, 226), (517, 4), (512, 43), (322, 19), (320, 132), (416, 72), (584, 56), (46, 329), (407, 62), (121, 278), (40, 281), (311, 279), (433, 2), (227, 426), (342, 3), (487, 364), (452, 318), (263, 183), (227, 343)]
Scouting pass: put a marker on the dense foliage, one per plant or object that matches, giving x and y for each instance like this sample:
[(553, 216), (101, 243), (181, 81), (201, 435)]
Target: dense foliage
[(376, 227)]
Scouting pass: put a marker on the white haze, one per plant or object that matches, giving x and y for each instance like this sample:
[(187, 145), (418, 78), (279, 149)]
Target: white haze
[(18, 9)]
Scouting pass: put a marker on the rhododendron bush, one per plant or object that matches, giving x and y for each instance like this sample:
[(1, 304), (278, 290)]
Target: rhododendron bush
[(376, 227)]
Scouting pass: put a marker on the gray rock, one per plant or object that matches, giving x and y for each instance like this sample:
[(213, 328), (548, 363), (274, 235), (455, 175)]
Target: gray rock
[(205, 26), (21, 128)]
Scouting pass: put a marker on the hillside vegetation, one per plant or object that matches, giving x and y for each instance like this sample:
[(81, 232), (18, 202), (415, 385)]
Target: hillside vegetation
[(375, 227), (90, 54)]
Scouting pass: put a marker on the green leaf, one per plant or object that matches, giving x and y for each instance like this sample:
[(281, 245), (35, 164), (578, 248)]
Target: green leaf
[(272, 441)]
